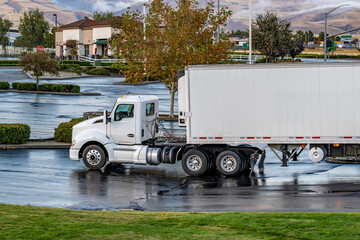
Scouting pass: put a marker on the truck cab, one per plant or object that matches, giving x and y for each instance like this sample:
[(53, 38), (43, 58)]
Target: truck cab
[(120, 136)]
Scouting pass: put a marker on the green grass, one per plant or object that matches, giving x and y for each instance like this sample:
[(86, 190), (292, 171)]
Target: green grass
[(25, 222)]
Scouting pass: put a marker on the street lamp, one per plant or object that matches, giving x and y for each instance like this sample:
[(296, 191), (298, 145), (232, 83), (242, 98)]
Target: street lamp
[(325, 34), (55, 15), (218, 28), (250, 33)]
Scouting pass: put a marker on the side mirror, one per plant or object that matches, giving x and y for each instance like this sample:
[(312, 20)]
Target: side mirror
[(106, 117)]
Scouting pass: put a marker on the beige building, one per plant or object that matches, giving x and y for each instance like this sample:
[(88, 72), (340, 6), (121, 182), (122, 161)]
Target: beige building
[(91, 37)]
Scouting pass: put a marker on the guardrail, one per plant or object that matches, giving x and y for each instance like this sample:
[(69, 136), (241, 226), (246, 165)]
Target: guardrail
[(244, 58), (105, 60), (232, 57)]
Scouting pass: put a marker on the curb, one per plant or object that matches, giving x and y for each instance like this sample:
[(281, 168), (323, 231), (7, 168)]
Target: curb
[(37, 144), (53, 93)]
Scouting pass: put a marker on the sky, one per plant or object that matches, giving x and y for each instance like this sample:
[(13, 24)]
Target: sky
[(301, 6)]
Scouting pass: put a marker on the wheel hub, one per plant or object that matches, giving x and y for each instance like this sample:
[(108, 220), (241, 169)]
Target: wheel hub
[(228, 163), (194, 162), (93, 157)]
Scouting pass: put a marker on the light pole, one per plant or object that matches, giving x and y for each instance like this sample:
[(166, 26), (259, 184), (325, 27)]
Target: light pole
[(55, 15), (325, 33), (250, 33), (218, 28)]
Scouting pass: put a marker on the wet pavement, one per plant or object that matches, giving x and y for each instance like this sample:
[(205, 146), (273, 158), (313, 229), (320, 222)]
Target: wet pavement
[(48, 178)]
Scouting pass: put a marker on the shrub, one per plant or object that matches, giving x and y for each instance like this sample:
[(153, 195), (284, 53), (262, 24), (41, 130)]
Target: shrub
[(63, 132), (80, 63), (47, 87), (98, 71), (113, 69), (24, 86), (4, 85), (9, 62), (14, 133)]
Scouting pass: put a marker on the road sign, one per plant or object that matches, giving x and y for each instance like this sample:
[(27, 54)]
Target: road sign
[(40, 49)]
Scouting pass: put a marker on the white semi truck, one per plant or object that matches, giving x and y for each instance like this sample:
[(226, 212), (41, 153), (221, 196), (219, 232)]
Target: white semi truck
[(224, 109)]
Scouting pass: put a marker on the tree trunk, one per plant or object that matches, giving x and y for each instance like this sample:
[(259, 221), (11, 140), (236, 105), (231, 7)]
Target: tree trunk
[(4, 48), (37, 82), (172, 99)]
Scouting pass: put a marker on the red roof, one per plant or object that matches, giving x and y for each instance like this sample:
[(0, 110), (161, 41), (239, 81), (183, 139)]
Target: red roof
[(86, 22)]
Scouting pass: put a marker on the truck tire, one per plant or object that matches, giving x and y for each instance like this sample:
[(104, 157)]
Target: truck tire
[(94, 157), (230, 163), (195, 162)]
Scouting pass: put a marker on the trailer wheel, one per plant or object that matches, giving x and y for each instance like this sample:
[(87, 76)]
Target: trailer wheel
[(230, 163), (94, 157), (194, 162)]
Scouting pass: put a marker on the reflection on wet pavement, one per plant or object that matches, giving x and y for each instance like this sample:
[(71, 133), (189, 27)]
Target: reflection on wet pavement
[(49, 178)]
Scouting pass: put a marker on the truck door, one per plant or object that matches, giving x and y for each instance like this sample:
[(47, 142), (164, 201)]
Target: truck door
[(122, 127)]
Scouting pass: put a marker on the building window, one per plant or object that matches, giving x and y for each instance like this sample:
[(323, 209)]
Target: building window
[(86, 48)]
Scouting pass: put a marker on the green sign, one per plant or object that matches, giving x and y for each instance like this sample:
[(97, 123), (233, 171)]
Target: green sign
[(346, 36), (332, 46), (245, 45)]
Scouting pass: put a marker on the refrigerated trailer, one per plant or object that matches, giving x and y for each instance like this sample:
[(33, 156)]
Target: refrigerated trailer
[(227, 108)]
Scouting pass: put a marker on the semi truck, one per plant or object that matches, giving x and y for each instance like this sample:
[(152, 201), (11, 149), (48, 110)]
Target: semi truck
[(226, 109)]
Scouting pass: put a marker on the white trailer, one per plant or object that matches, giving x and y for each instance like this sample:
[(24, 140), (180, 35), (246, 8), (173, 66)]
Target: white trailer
[(227, 107)]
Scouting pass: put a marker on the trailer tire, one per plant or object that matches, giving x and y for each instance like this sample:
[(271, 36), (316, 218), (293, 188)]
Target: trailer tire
[(195, 162), (230, 163), (94, 157)]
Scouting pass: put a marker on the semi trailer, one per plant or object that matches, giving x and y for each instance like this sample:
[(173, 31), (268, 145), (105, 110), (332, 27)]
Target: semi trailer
[(226, 109)]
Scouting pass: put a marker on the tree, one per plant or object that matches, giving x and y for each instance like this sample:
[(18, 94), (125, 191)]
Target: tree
[(5, 26), (99, 16), (296, 47), (39, 63), (33, 28), (271, 35), (50, 39), (174, 38), (74, 48)]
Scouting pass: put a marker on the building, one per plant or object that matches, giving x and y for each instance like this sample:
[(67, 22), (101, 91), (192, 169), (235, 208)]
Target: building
[(239, 41), (92, 38)]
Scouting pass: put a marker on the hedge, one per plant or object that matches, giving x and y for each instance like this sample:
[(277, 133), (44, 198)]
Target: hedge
[(98, 71), (14, 133), (47, 87), (59, 88), (4, 85), (6, 63), (24, 86), (81, 63), (63, 132)]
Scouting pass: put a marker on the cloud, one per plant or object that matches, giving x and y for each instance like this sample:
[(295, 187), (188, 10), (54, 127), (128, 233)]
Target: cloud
[(103, 5)]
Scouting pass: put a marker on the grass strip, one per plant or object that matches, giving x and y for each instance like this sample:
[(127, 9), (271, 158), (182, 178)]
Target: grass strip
[(26, 222)]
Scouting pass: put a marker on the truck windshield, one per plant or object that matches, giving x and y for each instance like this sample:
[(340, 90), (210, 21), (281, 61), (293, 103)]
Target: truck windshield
[(124, 111)]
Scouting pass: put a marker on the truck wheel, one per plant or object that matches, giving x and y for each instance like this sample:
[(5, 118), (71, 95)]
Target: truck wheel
[(230, 163), (94, 157), (194, 162)]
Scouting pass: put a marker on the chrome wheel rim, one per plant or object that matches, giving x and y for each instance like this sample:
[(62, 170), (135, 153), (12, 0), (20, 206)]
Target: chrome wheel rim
[(194, 162), (228, 163), (93, 157)]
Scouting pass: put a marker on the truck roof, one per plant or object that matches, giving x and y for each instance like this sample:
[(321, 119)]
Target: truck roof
[(137, 98), (271, 66)]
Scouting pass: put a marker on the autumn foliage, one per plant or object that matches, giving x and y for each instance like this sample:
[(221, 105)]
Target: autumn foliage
[(174, 37)]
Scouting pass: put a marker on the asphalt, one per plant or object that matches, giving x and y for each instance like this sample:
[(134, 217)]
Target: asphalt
[(48, 178)]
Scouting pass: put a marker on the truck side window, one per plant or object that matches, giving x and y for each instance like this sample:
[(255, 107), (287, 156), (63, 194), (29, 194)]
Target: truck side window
[(124, 111), (150, 109)]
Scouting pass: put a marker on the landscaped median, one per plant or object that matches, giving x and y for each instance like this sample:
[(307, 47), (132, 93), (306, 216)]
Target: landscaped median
[(28, 87), (63, 132), (26, 222)]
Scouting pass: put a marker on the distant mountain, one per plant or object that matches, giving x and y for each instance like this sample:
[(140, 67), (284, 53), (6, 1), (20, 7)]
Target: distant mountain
[(303, 14), (11, 8)]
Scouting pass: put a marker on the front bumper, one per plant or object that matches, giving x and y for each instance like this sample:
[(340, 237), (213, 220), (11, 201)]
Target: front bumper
[(74, 154)]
